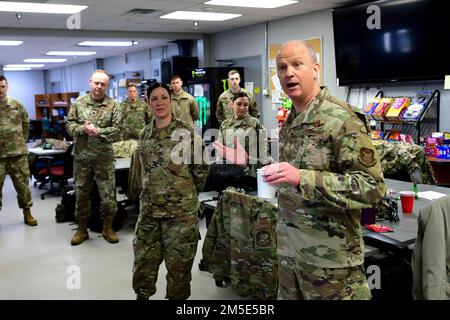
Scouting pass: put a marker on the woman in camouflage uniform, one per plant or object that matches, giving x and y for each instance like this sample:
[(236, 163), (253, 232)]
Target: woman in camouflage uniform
[(248, 131), (167, 226)]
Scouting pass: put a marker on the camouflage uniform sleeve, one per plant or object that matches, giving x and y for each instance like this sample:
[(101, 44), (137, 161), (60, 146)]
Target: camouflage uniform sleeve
[(219, 111), (73, 127), (200, 164), (25, 124), (148, 115), (359, 183), (112, 133), (120, 116), (194, 109), (265, 158), (253, 108)]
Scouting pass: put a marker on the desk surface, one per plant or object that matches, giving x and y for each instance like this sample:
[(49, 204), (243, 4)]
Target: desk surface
[(404, 231), (38, 151)]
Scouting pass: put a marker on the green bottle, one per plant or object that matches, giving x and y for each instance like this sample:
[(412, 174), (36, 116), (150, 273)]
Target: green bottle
[(415, 190)]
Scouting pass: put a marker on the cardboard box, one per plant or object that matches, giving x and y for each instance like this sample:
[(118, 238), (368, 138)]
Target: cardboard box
[(382, 109), (398, 108)]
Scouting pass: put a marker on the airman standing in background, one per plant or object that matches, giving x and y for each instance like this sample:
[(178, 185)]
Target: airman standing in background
[(224, 109), (184, 106), (14, 126), (93, 122)]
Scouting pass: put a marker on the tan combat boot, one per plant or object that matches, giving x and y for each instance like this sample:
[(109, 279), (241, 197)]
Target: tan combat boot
[(81, 234), (28, 218), (108, 232)]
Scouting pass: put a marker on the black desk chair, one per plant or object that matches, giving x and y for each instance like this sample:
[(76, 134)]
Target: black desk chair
[(57, 173)]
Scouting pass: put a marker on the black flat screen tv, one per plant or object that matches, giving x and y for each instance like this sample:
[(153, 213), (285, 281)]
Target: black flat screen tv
[(411, 44)]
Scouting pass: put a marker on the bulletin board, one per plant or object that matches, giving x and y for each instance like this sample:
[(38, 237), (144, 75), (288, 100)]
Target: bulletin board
[(316, 43)]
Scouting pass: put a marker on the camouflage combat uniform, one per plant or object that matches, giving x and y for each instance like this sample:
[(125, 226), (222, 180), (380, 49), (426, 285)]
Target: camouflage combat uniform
[(93, 155), (320, 246), (14, 128), (167, 226), (185, 108), (399, 156), (240, 244), (251, 135), (224, 109), (133, 117)]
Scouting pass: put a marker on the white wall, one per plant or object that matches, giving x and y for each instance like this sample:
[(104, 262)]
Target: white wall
[(249, 41), (74, 78), (23, 85), (136, 61)]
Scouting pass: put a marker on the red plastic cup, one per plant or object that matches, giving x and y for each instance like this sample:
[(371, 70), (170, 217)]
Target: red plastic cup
[(407, 199)]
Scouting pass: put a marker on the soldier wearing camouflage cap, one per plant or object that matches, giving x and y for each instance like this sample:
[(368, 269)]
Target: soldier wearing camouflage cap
[(93, 121), (223, 108), (173, 173), (135, 114), (14, 127), (329, 170)]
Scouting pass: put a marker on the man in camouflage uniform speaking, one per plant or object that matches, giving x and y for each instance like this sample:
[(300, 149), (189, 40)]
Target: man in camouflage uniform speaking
[(135, 114), (93, 122), (328, 171), (14, 127), (223, 108)]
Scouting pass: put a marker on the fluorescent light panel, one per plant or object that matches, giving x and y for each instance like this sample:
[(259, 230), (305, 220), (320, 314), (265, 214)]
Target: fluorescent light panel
[(49, 60), (107, 43), (200, 16), (22, 7), (24, 65), (71, 53), (265, 4), (15, 69), (10, 43)]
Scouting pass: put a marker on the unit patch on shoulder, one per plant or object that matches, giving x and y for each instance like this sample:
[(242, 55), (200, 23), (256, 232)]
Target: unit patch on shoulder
[(263, 239), (317, 123), (367, 157)]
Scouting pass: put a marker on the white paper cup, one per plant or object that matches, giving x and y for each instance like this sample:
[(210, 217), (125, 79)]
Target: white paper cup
[(265, 190)]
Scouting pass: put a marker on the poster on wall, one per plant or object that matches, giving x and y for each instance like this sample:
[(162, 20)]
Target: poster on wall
[(316, 43)]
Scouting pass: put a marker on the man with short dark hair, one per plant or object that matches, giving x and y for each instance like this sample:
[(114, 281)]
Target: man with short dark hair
[(14, 128), (135, 114), (94, 124), (223, 108), (184, 106)]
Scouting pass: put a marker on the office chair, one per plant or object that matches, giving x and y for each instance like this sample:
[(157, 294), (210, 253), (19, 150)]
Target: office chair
[(57, 173)]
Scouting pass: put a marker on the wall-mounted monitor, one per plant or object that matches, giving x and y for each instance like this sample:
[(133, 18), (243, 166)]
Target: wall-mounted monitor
[(398, 40)]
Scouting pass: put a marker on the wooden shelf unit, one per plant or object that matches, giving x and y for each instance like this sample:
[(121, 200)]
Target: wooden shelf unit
[(46, 103)]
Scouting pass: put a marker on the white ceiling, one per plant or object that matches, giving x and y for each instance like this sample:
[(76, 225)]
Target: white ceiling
[(107, 20)]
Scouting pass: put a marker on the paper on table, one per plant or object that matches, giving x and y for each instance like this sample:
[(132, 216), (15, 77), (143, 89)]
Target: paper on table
[(431, 195)]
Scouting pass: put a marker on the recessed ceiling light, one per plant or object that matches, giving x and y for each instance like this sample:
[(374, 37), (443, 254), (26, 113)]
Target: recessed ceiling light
[(16, 69), (50, 60), (266, 4), (107, 43), (71, 53), (10, 43), (200, 15), (24, 65), (40, 7)]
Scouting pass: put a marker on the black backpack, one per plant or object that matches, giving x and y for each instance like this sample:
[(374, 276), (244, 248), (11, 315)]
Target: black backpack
[(65, 211), (95, 223)]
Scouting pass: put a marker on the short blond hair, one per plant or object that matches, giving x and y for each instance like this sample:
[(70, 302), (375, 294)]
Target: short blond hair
[(102, 72), (311, 51)]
